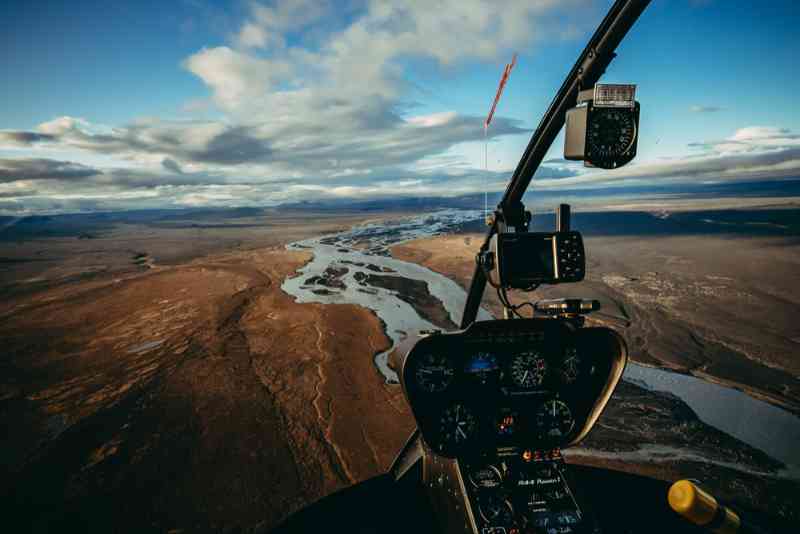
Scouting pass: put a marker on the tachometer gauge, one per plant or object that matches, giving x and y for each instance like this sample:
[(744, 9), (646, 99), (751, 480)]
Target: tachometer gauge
[(528, 370), (570, 366), (434, 373), (483, 367), (457, 425), (495, 510), (554, 419)]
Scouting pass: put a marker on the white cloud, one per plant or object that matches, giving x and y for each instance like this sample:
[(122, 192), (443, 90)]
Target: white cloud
[(752, 152), (236, 78), (705, 109), (314, 101), (252, 36), (312, 92)]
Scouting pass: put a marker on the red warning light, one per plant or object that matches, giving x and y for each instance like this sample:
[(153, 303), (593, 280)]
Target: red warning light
[(527, 455)]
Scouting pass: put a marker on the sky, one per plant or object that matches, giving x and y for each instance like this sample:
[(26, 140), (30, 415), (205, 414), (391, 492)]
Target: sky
[(107, 105)]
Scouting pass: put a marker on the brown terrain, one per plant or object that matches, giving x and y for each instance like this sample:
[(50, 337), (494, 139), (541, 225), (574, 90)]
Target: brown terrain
[(155, 377), (182, 395)]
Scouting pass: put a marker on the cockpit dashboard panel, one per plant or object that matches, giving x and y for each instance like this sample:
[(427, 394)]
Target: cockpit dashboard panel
[(511, 384)]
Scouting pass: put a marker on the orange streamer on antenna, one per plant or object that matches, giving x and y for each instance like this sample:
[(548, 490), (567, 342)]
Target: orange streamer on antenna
[(503, 80)]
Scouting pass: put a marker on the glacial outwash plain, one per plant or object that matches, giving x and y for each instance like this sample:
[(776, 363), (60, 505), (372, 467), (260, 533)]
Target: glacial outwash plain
[(216, 370)]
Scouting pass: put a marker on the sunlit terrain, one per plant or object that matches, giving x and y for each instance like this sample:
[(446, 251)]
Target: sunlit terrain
[(214, 369)]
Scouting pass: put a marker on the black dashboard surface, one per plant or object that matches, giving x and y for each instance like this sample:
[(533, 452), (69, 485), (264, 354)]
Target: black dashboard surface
[(621, 503), (533, 384)]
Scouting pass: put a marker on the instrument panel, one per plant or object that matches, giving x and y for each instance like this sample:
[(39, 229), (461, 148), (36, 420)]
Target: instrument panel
[(527, 383)]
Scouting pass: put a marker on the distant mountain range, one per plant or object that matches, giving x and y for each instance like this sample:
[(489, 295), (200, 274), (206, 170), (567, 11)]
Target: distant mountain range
[(88, 225)]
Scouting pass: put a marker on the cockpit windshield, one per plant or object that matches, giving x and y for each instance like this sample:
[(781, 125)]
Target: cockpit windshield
[(223, 225)]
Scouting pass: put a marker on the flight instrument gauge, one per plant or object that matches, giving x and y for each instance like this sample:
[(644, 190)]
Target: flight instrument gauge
[(434, 373), (487, 477), (483, 367), (528, 370), (611, 133), (457, 425), (570, 367), (495, 510), (554, 419)]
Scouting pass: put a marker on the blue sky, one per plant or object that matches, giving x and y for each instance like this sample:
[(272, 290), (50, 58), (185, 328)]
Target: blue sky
[(201, 103)]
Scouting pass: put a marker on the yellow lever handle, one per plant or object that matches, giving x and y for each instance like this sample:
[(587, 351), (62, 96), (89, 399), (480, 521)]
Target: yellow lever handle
[(701, 508)]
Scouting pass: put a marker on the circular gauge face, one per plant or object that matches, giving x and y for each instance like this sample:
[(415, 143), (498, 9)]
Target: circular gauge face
[(488, 477), (570, 367), (554, 419), (483, 367), (495, 510), (611, 132), (528, 370), (434, 373), (457, 425)]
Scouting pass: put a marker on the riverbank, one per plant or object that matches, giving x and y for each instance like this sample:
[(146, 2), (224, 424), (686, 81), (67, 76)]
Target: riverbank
[(194, 396)]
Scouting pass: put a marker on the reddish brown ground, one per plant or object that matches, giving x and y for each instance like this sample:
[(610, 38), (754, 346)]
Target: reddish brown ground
[(191, 397)]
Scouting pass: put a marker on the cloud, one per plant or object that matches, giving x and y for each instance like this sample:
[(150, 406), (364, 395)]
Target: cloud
[(252, 36), (17, 193), (171, 165), (705, 109), (752, 152), (304, 109), (14, 170), (24, 138), (372, 138), (550, 172), (299, 102)]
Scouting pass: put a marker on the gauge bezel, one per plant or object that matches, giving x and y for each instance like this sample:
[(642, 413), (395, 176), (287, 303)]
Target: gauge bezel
[(543, 433), (487, 377), (490, 467), (420, 365), (611, 153), (483, 501), (560, 370), (539, 356), (474, 432)]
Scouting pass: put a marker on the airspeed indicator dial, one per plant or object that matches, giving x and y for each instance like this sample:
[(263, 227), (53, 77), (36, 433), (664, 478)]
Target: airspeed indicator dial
[(528, 370)]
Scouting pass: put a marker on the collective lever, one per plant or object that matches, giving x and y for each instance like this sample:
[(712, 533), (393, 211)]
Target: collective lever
[(701, 508)]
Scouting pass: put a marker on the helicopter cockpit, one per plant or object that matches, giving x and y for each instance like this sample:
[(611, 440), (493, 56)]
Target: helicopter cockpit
[(501, 399), (497, 402)]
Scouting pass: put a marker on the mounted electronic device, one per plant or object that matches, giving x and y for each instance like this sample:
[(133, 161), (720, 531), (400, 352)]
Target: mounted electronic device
[(603, 130), (525, 260)]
